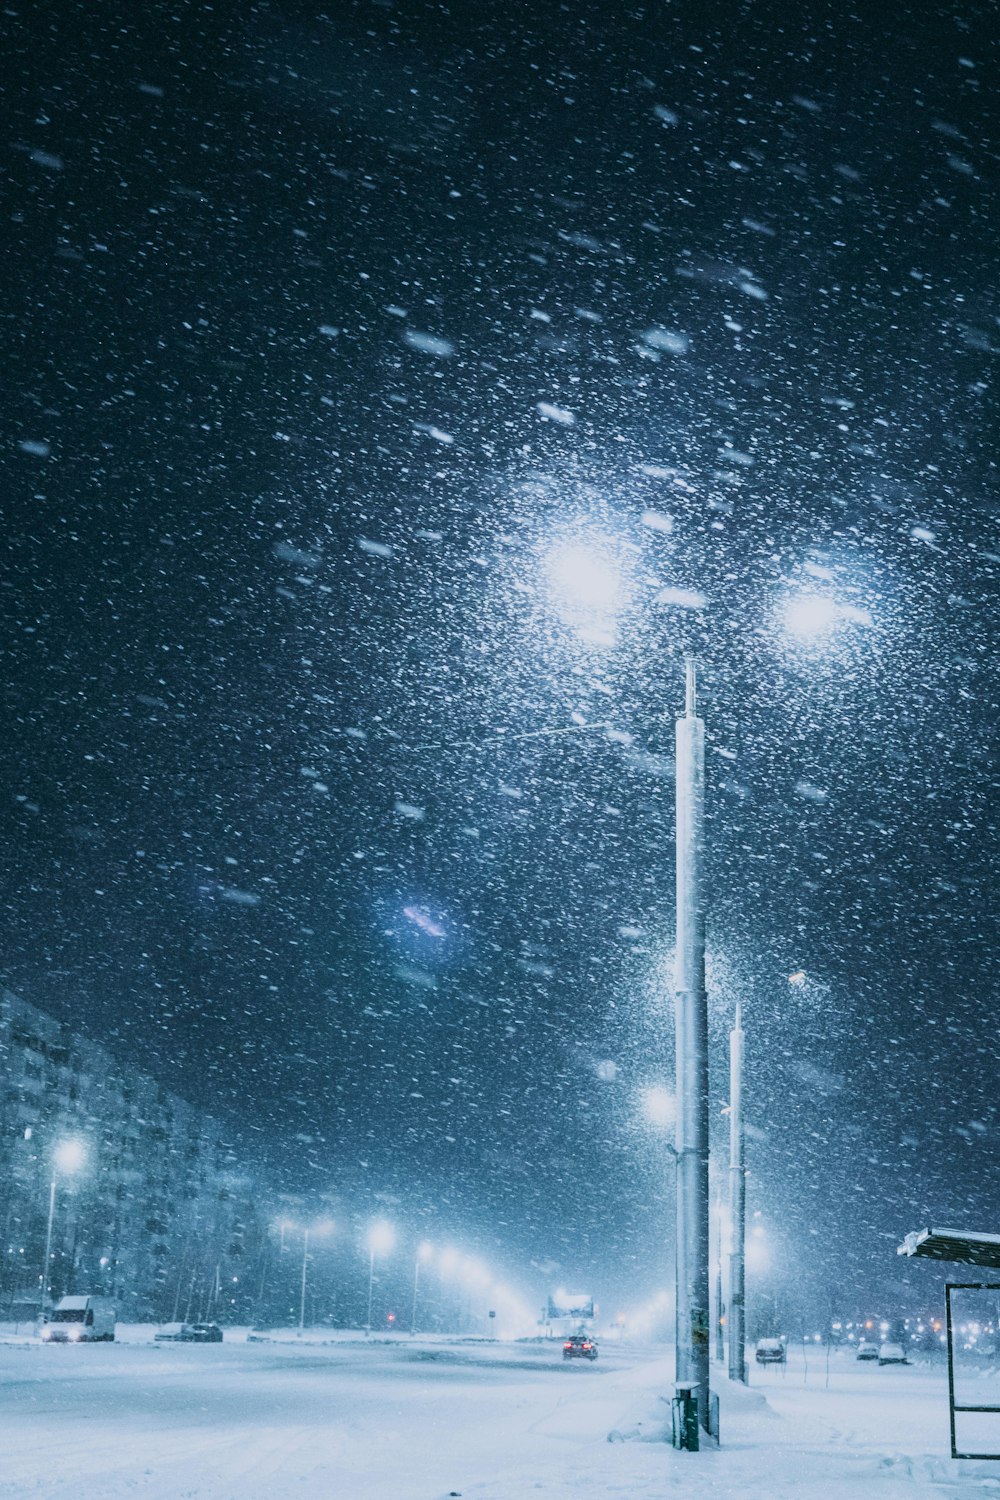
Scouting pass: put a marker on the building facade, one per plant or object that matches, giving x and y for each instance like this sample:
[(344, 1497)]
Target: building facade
[(152, 1206)]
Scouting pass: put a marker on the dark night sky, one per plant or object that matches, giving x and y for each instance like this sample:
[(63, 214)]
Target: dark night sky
[(274, 604)]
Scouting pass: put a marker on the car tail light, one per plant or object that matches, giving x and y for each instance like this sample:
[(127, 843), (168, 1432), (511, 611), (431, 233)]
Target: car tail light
[(567, 1345)]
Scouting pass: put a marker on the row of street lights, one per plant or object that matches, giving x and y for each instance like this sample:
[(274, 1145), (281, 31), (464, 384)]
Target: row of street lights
[(69, 1156), (379, 1241)]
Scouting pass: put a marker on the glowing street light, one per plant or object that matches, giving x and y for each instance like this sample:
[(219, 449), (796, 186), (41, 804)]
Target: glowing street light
[(68, 1157), (758, 1251), (812, 619), (424, 1252), (381, 1238), (811, 616), (588, 586)]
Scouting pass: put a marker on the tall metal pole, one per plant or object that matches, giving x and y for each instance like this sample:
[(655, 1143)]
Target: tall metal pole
[(371, 1283), (737, 1207), (416, 1277), (302, 1295), (692, 1335), (48, 1244), (720, 1352)]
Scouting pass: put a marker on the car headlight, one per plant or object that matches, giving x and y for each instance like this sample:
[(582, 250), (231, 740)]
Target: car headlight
[(75, 1334), (46, 1333)]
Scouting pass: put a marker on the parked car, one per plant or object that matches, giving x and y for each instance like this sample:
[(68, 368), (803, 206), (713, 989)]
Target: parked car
[(867, 1350), (770, 1352), (190, 1333), (892, 1354), (579, 1346), (80, 1320)]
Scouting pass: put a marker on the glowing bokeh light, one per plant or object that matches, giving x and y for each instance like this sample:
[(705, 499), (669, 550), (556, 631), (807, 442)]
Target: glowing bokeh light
[(659, 1106)]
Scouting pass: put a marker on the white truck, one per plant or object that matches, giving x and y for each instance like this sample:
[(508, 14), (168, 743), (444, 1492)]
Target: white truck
[(80, 1320)]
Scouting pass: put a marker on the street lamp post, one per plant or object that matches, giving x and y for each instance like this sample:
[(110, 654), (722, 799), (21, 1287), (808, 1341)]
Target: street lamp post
[(48, 1243), (302, 1294), (720, 1314), (68, 1157), (691, 1013), (737, 1206), (321, 1227), (423, 1253)]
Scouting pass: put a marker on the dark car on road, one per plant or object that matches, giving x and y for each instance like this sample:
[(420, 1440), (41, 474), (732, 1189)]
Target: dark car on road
[(770, 1352), (190, 1333), (579, 1346)]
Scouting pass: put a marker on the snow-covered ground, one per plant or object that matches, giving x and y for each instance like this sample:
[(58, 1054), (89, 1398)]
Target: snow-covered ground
[(404, 1419)]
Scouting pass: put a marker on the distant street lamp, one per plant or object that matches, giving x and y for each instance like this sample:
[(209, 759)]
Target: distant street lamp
[(68, 1157), (381, 1237), (424, 1253), (302, 1292), (324, 1226)]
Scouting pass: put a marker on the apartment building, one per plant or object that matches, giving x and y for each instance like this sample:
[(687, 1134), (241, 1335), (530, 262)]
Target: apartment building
[(148, 1201)]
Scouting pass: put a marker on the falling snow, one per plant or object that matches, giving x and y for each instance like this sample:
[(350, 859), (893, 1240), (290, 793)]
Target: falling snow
[(396, 397)]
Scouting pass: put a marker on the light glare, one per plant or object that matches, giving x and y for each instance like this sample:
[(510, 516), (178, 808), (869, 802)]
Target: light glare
[(811, 616), (69, 1156), (587, 586), (381, 1237)]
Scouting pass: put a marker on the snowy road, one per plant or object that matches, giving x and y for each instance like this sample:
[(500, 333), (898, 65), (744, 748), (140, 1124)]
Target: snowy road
[(422, 1422), (350, 1421)]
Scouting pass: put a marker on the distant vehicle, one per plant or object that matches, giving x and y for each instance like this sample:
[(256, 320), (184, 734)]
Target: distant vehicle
[(867, 1350), (770, 1352), (579, 1346), (190, 1333), (80, 1320), (892, 1354)]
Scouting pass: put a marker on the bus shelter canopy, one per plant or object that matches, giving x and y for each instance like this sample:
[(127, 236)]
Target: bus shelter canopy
[(953, 1244)]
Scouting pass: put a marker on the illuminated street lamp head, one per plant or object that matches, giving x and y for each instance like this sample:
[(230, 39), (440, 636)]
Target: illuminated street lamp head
[(587, 585), (425, 1250), (381, 1237), (813, 619), (69, 1156)]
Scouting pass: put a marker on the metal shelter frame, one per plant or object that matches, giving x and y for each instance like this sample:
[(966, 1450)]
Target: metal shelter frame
[(964, 1286)]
